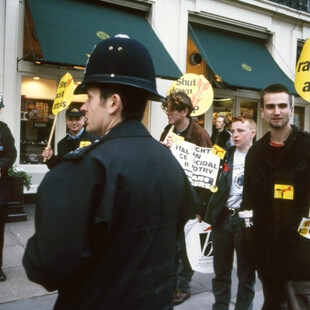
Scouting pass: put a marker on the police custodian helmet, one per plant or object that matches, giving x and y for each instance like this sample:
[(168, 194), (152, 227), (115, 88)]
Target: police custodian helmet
[(121, 60)]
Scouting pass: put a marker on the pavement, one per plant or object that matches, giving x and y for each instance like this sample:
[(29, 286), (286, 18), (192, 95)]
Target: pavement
[(18, 293)]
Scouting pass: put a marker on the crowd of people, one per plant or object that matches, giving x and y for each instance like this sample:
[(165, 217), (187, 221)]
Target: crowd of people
[(113, 238)]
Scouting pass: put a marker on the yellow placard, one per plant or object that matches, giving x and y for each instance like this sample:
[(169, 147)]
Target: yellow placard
[(283, 191), (64, 94), (302, 76), (218, 151), (84, 143), (198, 88), (176, 138)]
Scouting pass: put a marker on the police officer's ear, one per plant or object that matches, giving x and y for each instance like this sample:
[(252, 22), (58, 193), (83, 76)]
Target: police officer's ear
[(114, 104)]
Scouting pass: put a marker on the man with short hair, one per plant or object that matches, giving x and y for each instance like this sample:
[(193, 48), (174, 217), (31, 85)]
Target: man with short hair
[(223, 215), (178, 107), (220, 135), (277, 190), (108, 216), (76, 137), (7, 159)]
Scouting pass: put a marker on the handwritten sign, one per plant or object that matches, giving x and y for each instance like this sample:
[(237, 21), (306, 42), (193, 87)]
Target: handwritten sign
[(200, 165), (64, 94), (302, 76), (198, 88)]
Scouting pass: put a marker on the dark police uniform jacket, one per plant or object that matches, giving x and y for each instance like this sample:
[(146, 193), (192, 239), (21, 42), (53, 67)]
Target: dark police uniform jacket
[(273, 243), (7, 158), (67, 145), (107, 222)]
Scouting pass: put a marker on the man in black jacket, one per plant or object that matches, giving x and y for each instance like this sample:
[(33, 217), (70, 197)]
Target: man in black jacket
[(77, 137), (108, 216), (277, 190), (220, 135), (223, 215), (7, 158)]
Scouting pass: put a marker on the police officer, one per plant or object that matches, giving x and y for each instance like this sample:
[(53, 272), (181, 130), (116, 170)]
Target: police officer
[(77, 137), (7, 158), (106, 240)]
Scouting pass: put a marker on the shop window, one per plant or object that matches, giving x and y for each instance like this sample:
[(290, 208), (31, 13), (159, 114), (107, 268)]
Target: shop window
[(222, 106), (36, 124), (248, 108), (299, 117), (37, 117)]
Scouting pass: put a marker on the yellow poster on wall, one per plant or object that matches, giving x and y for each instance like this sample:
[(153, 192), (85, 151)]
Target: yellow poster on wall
[(302, 76)]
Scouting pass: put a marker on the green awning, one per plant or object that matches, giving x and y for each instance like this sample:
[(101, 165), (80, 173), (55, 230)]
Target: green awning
[(240, 61), (68, 30)]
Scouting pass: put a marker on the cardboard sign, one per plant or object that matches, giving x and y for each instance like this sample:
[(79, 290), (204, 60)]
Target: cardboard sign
[(302, 76), (198, 88), (200, 165), (199, 248), (64, 94)]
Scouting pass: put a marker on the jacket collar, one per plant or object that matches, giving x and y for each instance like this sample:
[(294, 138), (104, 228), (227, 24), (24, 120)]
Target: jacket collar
[(129, 128), (288, 142)]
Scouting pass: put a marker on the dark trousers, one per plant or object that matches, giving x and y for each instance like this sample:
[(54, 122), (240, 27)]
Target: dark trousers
[(3, 218), (282, 294), (227, 238), (184, 272)]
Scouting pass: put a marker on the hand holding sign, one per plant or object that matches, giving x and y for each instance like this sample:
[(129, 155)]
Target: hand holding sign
[(62, 100)]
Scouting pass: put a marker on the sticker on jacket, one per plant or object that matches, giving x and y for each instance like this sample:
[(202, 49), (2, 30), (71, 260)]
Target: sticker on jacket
[(283, 191), (304, 227), (84, 143)]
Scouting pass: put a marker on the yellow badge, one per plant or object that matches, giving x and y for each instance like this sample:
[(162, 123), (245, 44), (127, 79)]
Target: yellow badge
[(213, 188), (84, 143), (304, 227), (218, 151), (176, 138), (283, 191)]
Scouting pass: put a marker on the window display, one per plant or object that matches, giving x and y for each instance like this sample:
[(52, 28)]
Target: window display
[(36, 123)]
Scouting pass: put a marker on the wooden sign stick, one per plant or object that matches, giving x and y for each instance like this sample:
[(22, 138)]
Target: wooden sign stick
[(51, 135), (168, 134)]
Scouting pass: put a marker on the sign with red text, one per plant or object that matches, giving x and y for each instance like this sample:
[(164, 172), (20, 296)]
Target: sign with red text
[(198, 88)]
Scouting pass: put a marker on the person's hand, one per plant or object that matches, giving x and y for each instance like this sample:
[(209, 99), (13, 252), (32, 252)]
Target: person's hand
[(47, 153), (168, 142), (199, 218)]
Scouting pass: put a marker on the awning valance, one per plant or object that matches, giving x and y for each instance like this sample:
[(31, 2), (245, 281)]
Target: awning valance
[(67, 31), (240, 61)]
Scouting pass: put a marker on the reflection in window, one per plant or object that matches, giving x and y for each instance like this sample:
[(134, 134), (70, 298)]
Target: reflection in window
[(222, 106), (299, 117), (248, 108)]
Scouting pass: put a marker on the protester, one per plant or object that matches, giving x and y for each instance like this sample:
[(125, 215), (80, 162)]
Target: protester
[(108, 216), (178, 107), (220, 135), (223, 215), (277, 190), (7, 159), (77, 137)]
